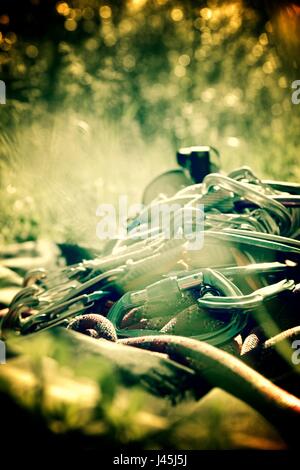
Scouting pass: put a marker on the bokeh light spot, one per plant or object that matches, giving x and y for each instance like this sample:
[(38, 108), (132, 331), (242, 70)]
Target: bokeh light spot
[(233, 142), (70, 24), (176, 14), (263, 39), (206, 13), (208, 95), (63, 8), (11, 38), (129, 61), (268, 67), (91, 44), (179, 71), (184, 60), (88, 13), (282, 82), (4, 19), (32, 51), (105, 12)]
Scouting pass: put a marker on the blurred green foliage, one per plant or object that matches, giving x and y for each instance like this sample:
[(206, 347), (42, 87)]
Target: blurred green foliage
[(84, 401)]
